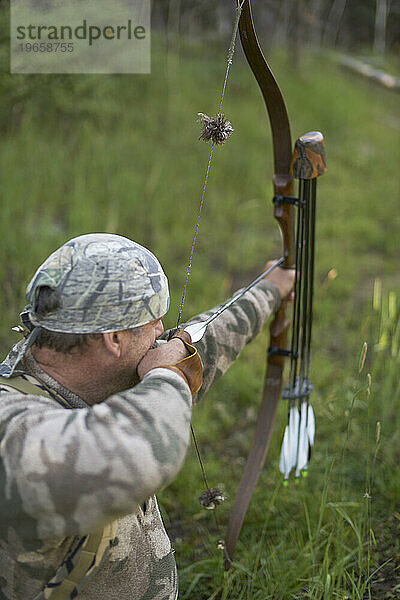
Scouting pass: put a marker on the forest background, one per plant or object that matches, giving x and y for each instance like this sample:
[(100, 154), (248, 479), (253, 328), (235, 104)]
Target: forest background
[(120, 154)]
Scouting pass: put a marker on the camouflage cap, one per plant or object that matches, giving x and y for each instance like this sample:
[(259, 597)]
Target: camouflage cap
[(106, 283)]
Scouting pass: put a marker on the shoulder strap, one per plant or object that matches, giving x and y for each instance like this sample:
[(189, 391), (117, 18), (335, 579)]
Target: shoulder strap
[(93, 548), (27, 384)]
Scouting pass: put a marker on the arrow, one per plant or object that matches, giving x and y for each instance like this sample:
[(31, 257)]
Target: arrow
[(197, 330)]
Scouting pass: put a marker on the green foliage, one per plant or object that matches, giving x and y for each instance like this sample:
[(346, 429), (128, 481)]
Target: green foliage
[(119, 154), (335, 533)]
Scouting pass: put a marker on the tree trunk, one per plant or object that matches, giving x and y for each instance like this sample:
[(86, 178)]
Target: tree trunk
[(333, 22), (381, 14)]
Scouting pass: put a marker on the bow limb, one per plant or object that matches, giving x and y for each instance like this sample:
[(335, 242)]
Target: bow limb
[(284, 213)]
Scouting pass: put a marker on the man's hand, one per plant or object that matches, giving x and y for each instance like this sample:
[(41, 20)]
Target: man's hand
[(169, 353), (282, 278)]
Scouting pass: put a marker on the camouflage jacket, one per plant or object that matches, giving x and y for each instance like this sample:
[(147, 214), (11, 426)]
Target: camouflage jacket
[(67, 473)]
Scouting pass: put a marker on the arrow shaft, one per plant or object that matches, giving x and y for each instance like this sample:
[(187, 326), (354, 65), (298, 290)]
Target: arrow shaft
[(197, 330)]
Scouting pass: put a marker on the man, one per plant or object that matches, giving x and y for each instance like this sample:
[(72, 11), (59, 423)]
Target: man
[(95, 418)]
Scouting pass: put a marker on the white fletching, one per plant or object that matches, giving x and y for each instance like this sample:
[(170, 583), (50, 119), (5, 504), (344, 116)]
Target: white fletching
[(288, 458), (303, 451), (196, 330), (311, 425), (284, 463), (294, 418), (297, 440)]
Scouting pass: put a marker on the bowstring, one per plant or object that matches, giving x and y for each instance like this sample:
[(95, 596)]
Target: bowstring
[(230, 55), (231, 52)]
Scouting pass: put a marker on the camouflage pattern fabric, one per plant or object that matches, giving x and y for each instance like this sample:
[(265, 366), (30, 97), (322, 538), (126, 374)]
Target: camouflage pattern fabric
[(106, 283), (65, 473)]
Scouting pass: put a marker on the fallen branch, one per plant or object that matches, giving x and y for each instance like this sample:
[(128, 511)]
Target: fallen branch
[(388, 81)]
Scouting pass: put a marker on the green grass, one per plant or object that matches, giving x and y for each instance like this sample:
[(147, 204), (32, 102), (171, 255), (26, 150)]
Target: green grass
[(334, 534), (93, 153)]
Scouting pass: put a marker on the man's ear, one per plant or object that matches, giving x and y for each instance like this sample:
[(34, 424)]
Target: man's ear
[(113, 342)]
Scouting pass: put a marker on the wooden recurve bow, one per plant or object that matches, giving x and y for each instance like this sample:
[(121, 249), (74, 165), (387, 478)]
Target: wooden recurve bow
[(284, 213)]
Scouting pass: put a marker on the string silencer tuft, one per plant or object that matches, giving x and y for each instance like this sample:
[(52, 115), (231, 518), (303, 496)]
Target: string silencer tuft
[(217, 129), (211, 498)]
